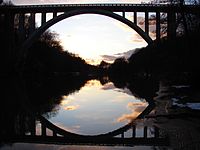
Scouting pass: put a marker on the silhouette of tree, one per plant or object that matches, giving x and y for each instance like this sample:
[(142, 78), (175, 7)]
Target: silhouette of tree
[(119, 66), (47, 56), (51, 39)]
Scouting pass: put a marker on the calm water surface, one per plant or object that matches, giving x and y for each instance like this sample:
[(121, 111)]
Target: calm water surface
[(97, 109)]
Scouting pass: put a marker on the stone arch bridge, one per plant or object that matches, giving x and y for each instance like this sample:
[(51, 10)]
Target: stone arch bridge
[(15, 20)]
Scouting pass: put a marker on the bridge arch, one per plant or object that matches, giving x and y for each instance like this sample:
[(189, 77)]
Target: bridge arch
[(35, 35)]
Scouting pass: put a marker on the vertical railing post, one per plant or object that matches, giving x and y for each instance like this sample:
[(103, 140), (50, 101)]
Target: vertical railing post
[(145, 132), (33, 127), (147, 22), (123, 14), (156, 132), (157, 25), (54, 14), (43, 19), (32, 23), (54, 134), (43, 128), (122, 135), (135, 17), (21, 27), (133, 131)]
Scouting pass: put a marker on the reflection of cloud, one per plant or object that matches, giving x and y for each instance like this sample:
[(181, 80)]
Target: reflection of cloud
[(73, 128), (72, 107), (108, 86), (125, 90), (132, 105), (92, 83), (128, 117), (136, 109), (66, 100)]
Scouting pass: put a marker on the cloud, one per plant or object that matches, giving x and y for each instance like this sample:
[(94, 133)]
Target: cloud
[(108, 58), (136, 38), (128, 117), (124, 26), (111, 58), (93, 61), (126, 54), (66, 100)]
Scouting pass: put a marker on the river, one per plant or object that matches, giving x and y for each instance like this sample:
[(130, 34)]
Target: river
[(164, 114)]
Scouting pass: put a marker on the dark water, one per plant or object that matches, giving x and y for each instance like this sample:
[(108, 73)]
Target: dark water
[(71, 112)]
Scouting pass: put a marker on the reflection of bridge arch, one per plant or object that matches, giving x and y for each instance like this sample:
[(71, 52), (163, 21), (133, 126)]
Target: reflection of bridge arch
[(61, 17), (116, 137)]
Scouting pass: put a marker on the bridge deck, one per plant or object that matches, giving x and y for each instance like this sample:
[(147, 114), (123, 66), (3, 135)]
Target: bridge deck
[(110, 7)]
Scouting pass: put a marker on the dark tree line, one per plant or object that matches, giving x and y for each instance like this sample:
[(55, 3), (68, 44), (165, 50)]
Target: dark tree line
[(179, 55), (47, 55)]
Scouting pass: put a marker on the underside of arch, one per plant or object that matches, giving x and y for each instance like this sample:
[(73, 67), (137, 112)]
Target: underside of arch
[(36, 34)]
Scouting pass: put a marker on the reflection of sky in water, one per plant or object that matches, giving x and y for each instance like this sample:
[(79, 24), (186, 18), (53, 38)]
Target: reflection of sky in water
[(97, 109)]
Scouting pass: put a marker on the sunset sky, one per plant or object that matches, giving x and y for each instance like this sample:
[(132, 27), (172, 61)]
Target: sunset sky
[(93, 37)]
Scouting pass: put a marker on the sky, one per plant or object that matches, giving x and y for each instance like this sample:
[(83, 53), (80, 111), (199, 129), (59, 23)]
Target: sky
[(93, 37)]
